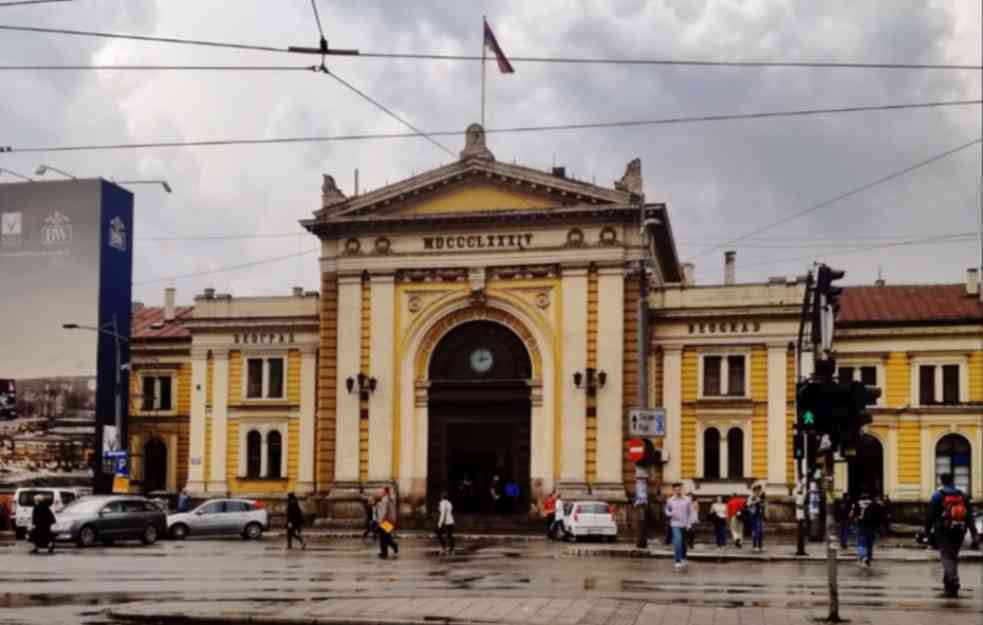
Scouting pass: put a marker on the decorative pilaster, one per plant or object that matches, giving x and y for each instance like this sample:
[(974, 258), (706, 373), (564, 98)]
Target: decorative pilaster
[(349, 348), (573, 433), (610, 356), (308, 391), (777, 415), (672, 391), (196, 443), (382, 347), (220, 423)]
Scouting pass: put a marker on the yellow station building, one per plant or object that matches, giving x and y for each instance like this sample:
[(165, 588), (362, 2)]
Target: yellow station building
[(481, 319)]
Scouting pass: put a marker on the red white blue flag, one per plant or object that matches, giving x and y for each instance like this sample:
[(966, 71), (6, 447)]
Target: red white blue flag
[(492, 44)]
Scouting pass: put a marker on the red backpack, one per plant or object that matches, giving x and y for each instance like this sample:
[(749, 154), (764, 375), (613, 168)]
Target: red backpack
[(954, 511)]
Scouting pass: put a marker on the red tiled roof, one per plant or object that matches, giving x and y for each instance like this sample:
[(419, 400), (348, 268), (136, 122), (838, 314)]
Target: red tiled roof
[(148, 323), (900, 304)]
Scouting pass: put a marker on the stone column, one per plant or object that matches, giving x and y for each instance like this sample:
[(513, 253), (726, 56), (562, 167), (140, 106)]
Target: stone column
[(382, 346), (672, 393), (308, 396), (217, 483), (573, 436), (777, 416), (610, 360), (196, 443)]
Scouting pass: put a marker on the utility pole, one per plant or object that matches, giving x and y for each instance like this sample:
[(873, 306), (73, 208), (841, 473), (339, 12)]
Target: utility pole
[(642, 353)]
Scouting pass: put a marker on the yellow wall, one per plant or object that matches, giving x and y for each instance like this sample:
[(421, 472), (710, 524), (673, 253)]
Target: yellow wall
[(591, 442), (235, 378), (898, 380), (909, 452), (790, 383), (293, 376), (478, 197), (209, 381), (759, 418), (245, 487), (976, 376), (184, 389), (690, 370)]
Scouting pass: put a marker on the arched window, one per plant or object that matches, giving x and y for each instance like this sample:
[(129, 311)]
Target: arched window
[(254, 454), (735, 453), (711, 454), (953, 455), (274, 451)]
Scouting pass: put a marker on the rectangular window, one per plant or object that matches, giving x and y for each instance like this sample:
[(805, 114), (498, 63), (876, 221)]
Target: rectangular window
[(164, 393), (149, 390), (711, 375), (846, 374), (926, 384), (254, 378), (868, 375), (950, 384), (276, 377), (735, 375)]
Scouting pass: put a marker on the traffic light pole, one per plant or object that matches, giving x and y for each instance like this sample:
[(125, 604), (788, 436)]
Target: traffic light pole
[(831, 562)]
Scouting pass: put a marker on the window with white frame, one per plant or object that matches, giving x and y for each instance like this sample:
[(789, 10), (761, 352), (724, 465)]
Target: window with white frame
[(939, 383), (157, 392), (265, 378), (724, 375), (261, 452), (722, 449)]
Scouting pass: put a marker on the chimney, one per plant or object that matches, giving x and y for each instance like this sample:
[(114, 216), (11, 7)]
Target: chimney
[(972, 282), (209, 293), (298, 291), (560, 172), (169, 303), (729, 270), (689, 274)]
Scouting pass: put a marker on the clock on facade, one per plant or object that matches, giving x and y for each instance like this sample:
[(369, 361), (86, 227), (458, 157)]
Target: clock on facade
[(481, 360)]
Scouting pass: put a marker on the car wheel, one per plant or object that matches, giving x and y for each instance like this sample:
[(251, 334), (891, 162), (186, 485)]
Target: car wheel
[(179, 532), (149, 536), (612, 539), (20, 533), (254, 531), (87, 536)]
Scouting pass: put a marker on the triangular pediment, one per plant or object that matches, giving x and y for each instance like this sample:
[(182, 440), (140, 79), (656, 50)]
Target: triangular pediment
[(474, 185)]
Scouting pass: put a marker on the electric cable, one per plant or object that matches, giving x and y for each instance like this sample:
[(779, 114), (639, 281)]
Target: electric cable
[(14, 3), (520, 59), (454, 133), (237, 68), (255, 263), (842, 196)]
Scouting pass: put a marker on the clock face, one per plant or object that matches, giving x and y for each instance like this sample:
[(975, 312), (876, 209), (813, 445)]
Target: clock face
[(481, 360)]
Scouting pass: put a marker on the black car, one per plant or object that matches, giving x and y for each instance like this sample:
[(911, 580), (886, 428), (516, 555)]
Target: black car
[(108, 518)]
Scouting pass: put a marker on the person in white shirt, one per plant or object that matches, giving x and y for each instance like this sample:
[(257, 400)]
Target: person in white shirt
[(445, 524), (718, 514), (559, 529)]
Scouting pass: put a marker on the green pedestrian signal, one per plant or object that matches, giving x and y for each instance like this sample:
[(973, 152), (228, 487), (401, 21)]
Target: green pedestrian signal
[(808, 418)]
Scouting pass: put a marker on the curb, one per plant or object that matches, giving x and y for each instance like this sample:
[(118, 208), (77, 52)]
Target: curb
[(581, 552), (241, 619)]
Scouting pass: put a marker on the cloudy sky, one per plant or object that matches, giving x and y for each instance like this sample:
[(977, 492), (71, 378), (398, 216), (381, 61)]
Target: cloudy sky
[(719, 180)]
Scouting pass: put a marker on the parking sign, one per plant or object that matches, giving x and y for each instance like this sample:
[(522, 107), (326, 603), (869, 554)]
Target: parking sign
[(647, 422)]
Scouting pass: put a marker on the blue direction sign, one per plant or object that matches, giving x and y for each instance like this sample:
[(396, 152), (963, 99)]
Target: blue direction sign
[(647, 422)]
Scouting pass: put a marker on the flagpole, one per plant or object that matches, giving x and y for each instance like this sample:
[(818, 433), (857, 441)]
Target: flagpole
[(483, 49)]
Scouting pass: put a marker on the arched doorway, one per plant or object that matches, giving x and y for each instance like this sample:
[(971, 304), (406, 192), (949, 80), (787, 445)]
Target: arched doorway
[(953, 454), (866, 469), (154, 466), (479, 417)]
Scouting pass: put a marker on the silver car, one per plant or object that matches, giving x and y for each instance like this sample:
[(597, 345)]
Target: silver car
[(245, 517)]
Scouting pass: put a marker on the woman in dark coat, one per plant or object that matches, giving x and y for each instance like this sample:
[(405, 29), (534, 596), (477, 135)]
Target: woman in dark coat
[(295, 521), (41, 520)]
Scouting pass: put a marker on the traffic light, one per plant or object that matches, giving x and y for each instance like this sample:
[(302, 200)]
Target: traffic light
[(825, 305), (855, 397), (812, 408)]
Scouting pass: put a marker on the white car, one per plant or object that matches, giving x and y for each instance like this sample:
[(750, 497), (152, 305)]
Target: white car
[(58, 498), (584, 519), (245, 517)]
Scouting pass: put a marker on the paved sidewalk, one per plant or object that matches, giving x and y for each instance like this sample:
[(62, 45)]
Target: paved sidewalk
[(777, 553), (512, 611)]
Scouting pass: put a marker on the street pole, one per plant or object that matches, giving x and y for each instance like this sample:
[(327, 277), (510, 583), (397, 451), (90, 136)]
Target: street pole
[(824, 371), (831, 562), (642, 351)]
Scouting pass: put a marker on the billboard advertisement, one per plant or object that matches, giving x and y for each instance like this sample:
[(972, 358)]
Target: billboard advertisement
[(65, 259)]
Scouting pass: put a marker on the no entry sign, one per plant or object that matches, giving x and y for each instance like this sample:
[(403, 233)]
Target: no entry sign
[(636, 449)]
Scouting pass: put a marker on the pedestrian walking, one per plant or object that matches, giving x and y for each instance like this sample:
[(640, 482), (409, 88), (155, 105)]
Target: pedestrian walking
[(387, 525), (445, 524), (371, 518), (950, 515), (183, 501), (42, 518), (756, 517), (559, 529), (678, 509), (495, 495), (549, 513), (735, 516), (866, 515), (841, 513), (295, 522), (694, 518), (718, 515)]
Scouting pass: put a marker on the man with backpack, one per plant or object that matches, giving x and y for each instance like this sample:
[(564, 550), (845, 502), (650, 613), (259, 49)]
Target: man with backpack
[(867, 514), (950, 515)]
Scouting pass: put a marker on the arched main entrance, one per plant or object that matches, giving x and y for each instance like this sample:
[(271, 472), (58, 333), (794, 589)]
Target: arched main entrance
[(866, 469), (479, 417), (154, 466)]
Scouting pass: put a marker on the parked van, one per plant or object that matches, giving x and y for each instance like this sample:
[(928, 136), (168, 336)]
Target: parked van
[(24, 504)]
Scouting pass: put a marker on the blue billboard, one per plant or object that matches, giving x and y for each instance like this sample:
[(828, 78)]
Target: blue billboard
[(66, 258)]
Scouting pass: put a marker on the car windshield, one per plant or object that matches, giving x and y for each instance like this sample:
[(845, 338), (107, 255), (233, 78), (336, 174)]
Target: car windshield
[(85, 506), (593, 508), (26, 498)]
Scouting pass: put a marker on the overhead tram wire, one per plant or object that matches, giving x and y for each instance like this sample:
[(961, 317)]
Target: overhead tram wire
[(14, 3), (518, 59), (255, 263), (841, 196), (238, 68), (454, 133)]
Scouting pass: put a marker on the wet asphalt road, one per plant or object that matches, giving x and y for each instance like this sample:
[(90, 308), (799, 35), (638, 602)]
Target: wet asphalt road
[(74, 585)]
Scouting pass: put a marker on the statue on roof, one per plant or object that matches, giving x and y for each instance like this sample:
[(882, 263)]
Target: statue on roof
[(474, 144), (632, 180), (330, 193)]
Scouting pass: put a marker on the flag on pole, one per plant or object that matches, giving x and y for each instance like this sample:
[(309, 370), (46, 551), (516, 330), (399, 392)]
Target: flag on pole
[(492, 44)]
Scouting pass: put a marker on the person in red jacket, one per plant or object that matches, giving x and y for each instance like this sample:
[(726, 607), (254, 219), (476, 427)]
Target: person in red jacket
[(735, 512), (549, 512)]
